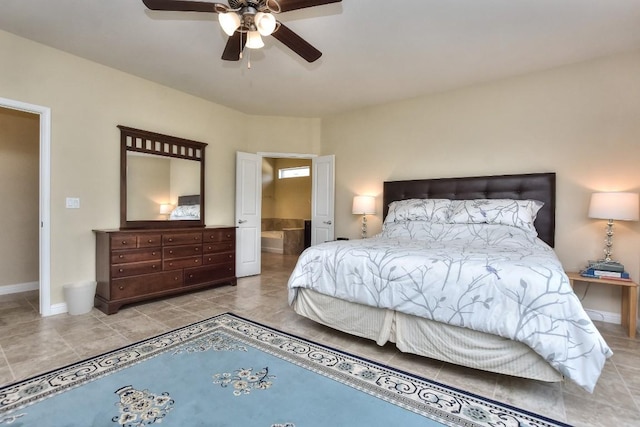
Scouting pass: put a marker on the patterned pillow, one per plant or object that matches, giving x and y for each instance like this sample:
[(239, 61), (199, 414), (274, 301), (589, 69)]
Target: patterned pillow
[(435, 210), (186, 212), (516, 213)]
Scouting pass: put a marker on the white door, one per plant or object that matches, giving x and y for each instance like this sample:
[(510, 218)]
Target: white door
[(322, 199), (248, 213)]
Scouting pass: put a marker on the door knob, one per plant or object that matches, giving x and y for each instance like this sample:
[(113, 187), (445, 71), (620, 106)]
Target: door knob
[(327, 222), (242, 221)]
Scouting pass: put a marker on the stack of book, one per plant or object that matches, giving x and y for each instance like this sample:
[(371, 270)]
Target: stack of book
[(605, 270)]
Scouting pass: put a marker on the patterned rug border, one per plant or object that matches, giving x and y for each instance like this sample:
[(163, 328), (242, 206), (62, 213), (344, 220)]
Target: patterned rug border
[(441, 402)]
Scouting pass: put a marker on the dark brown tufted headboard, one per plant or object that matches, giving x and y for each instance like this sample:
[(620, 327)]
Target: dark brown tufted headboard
[(536, 186)]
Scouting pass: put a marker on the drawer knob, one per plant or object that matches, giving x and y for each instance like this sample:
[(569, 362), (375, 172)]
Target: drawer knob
[(120, 270), (154, 266), (121, 288), (150, 241), (230, 256), (171, 252), (124, 242), (197, 249), (153, 253), (196, 238), (191, 276), (170, 239), (121, 256), (196, 260), (228, 235), (170, 264), (175, 278)]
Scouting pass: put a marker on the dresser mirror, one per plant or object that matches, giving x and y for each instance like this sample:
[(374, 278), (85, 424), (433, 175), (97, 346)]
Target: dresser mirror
[(161, 180)]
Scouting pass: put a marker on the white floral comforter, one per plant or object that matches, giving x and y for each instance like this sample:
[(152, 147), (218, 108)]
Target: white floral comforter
[(492, 278)]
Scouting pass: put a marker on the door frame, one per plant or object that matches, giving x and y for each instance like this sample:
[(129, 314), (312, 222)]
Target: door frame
[(44, 278)]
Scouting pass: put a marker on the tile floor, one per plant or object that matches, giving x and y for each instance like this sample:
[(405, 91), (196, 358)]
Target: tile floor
[(30, 344)]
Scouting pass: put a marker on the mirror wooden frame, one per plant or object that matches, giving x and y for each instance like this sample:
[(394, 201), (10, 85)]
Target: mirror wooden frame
[(142, 141)]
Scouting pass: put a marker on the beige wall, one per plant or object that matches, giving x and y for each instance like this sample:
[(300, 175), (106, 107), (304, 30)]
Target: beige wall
[(87, 102), (285, 198), (580, 121), (292, 196), (19, 173)]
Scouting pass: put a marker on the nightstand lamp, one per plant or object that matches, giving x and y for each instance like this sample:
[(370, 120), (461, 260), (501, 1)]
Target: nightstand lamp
[(364, 205), (613, 206), (165, 209)]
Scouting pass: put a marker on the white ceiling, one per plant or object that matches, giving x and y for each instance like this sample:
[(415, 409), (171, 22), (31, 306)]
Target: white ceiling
[(374, 51)]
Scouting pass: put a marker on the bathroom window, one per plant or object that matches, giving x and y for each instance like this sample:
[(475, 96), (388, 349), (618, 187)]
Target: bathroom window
[(296, 172)]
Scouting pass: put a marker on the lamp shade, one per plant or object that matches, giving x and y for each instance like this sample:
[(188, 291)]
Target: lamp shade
[(265, 23), (166, 208), (364, 205), (254, 41), (229, 21), (614, 205)]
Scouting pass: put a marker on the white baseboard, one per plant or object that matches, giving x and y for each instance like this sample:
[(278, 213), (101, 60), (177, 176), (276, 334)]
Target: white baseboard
[(608, 317), (19, 287), (59, 308), (604, 316)]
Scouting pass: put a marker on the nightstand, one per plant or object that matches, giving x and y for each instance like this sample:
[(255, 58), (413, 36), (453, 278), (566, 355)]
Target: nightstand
[(629, 305)]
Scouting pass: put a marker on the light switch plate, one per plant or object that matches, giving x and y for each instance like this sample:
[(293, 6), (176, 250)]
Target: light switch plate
[(73, 203)]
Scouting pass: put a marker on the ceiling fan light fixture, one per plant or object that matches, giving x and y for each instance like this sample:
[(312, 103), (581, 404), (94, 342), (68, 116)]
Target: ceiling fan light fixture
[(254, 41), (265, 23), (229, 21)]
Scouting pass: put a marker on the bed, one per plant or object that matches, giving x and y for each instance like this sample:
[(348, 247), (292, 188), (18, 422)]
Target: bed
[(464, 272), (188, 208)]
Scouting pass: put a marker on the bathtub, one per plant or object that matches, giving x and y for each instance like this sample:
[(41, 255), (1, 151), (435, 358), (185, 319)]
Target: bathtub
[(273, 241)]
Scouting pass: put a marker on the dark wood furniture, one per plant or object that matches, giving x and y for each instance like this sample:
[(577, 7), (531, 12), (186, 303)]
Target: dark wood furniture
[(138, 265), (136, 142)]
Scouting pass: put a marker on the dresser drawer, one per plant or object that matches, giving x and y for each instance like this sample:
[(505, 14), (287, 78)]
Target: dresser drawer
[(221, 235), (135, 255), (171, 252), (208, 248), (120, 241), (174, 264), (194, 276), (171, 239), (143, 285), (133, 269), (209, 259), (149, 240)]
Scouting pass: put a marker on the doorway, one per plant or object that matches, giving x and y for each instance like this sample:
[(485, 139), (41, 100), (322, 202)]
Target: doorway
[(43, 204), (248, 212), (286, 205)]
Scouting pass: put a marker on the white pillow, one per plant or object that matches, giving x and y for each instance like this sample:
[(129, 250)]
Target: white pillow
[(434, 210), (516, 213), (186, 212)]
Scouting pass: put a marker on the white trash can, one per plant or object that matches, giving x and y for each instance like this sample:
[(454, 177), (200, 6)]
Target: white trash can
[(79, 297)]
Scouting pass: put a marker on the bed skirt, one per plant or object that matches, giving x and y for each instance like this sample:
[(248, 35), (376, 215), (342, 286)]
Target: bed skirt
[(411, 334)]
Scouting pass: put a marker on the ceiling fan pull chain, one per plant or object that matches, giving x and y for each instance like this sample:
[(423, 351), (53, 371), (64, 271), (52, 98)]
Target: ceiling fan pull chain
[(240, 45)]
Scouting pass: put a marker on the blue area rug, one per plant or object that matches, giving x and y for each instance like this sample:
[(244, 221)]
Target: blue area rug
[(229, 371)]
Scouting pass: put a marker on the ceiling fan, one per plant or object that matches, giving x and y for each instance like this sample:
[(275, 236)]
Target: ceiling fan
[(245, 21)]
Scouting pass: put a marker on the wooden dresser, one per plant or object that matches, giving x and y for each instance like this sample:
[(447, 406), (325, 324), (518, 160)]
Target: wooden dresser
[(137, 265)]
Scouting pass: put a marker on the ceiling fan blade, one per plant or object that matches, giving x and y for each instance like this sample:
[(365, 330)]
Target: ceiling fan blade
[(232, 49), (296, 43), (287, 5), (185, 6)]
